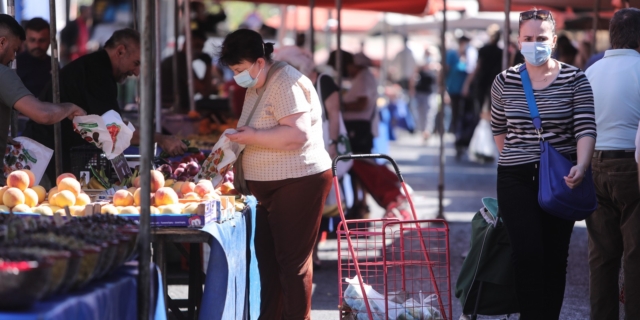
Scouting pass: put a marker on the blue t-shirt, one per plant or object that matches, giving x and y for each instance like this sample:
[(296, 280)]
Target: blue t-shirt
[(457, 72)]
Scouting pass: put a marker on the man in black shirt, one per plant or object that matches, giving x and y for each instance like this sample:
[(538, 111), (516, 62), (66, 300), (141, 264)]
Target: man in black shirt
[(488, 67), (91, 82), (34, 64)]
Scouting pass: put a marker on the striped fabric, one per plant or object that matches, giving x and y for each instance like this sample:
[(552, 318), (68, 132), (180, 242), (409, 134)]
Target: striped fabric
[(566, 109)]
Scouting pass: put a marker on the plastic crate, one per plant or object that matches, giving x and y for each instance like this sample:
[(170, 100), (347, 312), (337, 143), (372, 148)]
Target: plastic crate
[(84, 157)]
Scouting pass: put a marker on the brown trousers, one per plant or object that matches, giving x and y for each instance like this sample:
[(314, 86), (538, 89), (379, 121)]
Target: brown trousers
[(614, 233), (287, 221)]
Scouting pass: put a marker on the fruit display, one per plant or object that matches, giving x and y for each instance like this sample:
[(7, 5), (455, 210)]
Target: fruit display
[(40, 258)]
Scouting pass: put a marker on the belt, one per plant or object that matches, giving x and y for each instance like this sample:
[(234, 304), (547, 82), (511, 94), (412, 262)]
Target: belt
[(614, 154)]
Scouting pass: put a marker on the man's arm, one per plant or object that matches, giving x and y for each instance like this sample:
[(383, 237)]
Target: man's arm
[(45, 112), (172, 145)]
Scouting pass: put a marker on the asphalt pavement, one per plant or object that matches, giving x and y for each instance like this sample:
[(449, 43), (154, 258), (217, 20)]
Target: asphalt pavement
[(465, 184)]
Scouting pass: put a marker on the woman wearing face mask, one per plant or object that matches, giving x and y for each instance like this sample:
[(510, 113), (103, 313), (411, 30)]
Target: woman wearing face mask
[(564, 98), (286, 168)]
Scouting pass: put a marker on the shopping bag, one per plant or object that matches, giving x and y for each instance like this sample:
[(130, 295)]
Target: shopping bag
[(482, 147), (354, 298), (107, 132), (28, 154), (221, 159)]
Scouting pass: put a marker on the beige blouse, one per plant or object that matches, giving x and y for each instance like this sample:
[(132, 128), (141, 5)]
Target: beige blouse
[(288, 92)]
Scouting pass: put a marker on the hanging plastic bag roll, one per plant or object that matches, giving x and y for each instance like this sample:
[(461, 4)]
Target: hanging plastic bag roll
[(107, 132)]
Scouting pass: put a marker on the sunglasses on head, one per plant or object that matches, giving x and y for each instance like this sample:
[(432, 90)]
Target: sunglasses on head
[(536, 14)]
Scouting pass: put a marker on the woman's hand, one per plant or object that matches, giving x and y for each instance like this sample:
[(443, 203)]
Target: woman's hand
[(576, 174), (245, 135), (333, 151)]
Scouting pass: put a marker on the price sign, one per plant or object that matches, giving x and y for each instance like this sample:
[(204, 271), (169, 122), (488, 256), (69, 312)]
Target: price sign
[(121, 166)]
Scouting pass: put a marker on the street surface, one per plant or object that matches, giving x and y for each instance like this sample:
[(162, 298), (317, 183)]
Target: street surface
[(465, 184)]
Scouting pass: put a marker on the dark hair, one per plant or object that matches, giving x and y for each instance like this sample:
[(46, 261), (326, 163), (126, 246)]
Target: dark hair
[(464, 39), (8, 23), (347, 59), (550, 19), (244, 45), (624, 29), (199, 34), (194, 6), (565, 47), (37, 24), (123, 36)]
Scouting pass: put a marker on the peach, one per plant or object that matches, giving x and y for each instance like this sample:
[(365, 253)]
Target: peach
[(44, 210), (13, 197), (32, 177), (65, 175), (211, 196), (21, 208), (165, 196), (129, 210), (136, 197), (52, 192), (64, 198), (177, 186), (191, 208), (18, 179), (203, 189), (122, 198), (30, 198), (187, 187), (70, 184), (227, 187), (42, 193), (136, 182), (83, 199), (109, 209), (157, 180), (171, 208), (77, 211), (191, 196), (132, 190), (4, 208), (2, 190), (154, 210)]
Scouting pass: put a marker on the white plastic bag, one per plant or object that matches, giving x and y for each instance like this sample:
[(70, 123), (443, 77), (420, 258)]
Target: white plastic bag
[(355, 300), (482, 147), (221, 160), (30, 155), (107, 132)]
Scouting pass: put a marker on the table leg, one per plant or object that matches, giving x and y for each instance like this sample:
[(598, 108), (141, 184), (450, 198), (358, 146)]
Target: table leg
[(195, 280), (159, 255)]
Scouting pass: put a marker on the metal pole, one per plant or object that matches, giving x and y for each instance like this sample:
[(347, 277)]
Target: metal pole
[(55, 85), (176, 36), (312, 29), (158, 73), (134, 10), (189, 52), (385, 55), (146, 153), (339, 49), (11, 9), (506, 34), (443, 75), (596, 9)]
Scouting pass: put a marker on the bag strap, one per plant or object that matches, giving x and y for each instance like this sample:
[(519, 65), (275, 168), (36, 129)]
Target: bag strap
[(319, 91), (531, 100), (275, 67)]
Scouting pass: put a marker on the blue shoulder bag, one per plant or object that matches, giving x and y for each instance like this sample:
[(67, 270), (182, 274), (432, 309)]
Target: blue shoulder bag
[(554, 196)]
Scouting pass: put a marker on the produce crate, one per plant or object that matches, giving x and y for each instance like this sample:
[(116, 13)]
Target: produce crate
[(87, 156)]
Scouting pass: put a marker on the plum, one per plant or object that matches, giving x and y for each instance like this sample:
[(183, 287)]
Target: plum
[(178, 172), (192, 169)]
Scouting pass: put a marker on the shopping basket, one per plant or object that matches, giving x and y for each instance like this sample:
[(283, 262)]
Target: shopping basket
[(392, 269)]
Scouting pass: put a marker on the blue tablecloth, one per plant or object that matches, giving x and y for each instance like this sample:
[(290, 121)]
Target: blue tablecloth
[(111, 298), (226, 292)]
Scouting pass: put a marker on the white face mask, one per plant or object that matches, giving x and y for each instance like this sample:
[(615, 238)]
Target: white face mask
[(536, 53), (244, 78)]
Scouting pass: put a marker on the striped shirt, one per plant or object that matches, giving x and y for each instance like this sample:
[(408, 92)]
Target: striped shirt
[(566, 110)]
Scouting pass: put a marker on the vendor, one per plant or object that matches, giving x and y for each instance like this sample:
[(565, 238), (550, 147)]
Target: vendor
[(13, 93), (285, 166), (91, 82)]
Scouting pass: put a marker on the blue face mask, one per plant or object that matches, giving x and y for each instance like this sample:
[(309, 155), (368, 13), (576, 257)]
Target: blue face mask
[(244, 78), (536, 53)]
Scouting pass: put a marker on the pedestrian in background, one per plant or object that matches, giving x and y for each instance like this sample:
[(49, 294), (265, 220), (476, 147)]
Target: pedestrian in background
[(540, 241), (422, 95), (404, 67), (456, 74), (614, 229), (34, 65)]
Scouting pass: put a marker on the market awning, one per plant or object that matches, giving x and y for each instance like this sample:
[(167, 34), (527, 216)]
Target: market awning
[(352, 20), (576, 5), (416, 7)]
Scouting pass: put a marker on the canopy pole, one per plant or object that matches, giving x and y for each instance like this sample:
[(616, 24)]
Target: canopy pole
[(55, 86), (506, 34), (146, 153), (339, 47), (189, 52), (176, 37), (312, 29), (385, 54), (443, 75), (157, 73), (596, 9), (11, 10)]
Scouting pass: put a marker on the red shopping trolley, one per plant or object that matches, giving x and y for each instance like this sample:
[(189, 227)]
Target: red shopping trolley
[(392, 269)]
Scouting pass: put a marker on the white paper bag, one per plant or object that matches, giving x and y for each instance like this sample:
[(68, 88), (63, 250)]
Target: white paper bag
[(221, 160), (107, 132), (30, 155)]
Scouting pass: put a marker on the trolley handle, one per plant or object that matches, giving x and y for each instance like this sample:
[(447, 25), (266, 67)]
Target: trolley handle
[(348, 157)]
